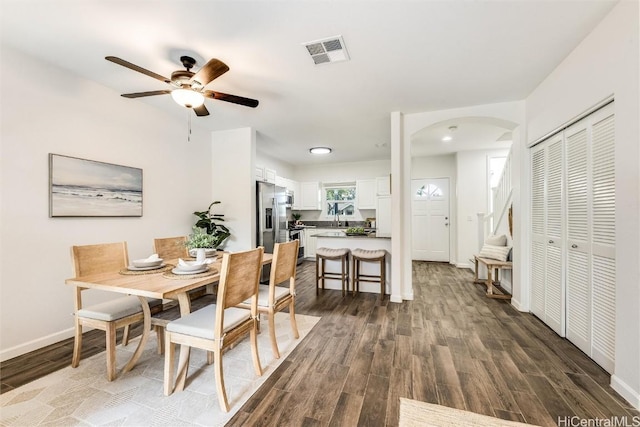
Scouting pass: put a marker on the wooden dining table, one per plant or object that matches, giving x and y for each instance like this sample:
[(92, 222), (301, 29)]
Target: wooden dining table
[(155, 285)]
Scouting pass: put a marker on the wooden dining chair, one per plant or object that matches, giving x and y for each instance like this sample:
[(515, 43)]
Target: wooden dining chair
[(171, 247), (108, 316), (272, 298), (219, 326)]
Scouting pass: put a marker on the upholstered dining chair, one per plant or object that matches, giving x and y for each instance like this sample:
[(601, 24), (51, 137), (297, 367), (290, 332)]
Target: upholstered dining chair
[(218, 326), (108, 316), (171, 247), (272, 298)]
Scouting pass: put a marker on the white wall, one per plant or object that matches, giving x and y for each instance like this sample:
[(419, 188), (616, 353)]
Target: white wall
[(342, 172), (47, 110), (607, 63), (472, 198), (234, 184)]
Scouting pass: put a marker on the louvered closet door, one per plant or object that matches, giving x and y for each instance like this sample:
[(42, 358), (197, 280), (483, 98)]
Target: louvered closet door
[(578, 266), (547, 276), (554, 295), (538, 230), (603, 238)]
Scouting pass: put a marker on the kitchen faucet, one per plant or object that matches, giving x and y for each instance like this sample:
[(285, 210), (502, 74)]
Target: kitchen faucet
[(336, 219)]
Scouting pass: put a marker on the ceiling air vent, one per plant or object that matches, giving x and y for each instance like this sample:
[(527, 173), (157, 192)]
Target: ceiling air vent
[(331, 49)]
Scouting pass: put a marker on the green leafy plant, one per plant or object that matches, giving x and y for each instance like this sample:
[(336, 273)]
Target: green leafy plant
[(200, 239), (208, 225), (296, 216), (355, 230)]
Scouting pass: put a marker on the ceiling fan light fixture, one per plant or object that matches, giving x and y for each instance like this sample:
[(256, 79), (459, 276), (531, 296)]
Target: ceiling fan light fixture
[(187, 98), (320, 150)]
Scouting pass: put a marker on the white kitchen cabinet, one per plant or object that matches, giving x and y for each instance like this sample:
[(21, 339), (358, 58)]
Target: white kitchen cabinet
[(295, 188), (383, 216), (366, 193), (282, 182), (383, 185), (309, 196), (270, 175), (310, 242)]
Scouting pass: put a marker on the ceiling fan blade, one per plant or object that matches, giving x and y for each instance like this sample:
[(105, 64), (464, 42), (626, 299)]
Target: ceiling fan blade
[(201, 111), (247, 102), (141, 94), (210, 71), (134, 67)]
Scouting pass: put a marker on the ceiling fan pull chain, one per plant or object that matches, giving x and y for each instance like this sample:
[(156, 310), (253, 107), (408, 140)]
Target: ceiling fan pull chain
[(189, 127)]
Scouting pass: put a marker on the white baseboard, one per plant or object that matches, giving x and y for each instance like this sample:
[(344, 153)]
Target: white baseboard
[(395, 298), (517, 304), (408, 296), (21, 349), (463, 265), (630, 395)]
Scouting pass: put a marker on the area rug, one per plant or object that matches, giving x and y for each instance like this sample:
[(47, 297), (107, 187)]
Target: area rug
[(414, 413), (83, 397)]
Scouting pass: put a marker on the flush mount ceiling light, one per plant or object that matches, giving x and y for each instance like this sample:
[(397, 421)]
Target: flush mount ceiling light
[(448, 138), (187, 98), (320, 150)]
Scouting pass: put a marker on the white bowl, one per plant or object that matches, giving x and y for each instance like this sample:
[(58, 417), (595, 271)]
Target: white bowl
[(191, 266), (141, 263)]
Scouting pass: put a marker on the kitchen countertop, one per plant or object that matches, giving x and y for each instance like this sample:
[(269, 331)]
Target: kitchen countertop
[(343, 235)]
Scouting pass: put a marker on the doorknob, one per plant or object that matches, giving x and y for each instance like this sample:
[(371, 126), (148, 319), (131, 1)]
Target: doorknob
[(446, 224)]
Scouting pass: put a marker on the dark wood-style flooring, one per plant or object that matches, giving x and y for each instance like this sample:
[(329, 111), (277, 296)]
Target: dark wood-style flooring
[(451, 346)]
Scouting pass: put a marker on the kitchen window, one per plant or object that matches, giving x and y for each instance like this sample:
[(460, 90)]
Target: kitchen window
[(340, 200)]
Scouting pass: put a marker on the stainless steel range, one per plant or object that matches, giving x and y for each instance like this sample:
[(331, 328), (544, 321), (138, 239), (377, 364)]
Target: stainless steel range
[(298, 234)]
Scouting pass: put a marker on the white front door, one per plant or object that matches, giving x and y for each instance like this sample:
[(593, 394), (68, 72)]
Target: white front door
[(430, 219)]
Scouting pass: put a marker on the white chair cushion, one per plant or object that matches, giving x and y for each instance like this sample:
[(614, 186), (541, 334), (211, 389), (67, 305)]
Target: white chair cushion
[(263, 295), (200, 323), (330, 252), (369, 253), (115, 309)]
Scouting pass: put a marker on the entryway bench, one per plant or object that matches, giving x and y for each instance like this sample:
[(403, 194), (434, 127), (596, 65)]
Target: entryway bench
[(494, 290)]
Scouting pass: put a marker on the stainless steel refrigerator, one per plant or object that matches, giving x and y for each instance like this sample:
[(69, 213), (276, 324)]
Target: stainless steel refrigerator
[(272, 204)]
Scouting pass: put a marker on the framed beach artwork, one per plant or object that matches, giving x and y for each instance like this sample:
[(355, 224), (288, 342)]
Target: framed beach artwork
[(88, 188)]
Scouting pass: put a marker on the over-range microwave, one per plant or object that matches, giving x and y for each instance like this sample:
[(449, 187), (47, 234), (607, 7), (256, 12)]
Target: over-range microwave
[(288, 199)]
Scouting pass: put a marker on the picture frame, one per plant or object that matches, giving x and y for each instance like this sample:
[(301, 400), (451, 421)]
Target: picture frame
[(90, 188)]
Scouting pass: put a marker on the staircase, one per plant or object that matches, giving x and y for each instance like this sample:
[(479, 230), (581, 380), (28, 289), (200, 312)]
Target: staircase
[(497, 221)]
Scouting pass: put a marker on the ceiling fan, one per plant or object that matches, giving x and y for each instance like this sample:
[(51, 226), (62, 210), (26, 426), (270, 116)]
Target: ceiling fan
[(188, 87)]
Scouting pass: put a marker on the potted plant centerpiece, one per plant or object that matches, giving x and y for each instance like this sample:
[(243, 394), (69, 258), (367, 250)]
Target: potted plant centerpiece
[(207, 233)]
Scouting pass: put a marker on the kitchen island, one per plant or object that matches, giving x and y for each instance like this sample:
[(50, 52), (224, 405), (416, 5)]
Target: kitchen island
[(340, 239)]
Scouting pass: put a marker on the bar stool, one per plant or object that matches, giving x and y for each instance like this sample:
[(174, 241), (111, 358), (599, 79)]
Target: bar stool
[(366, 255), (324, 254)]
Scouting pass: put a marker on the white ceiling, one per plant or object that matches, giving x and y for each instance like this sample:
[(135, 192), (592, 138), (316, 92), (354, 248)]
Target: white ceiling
[(408, 56)]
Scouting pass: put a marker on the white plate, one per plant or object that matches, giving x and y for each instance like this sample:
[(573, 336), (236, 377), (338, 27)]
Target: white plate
[(155, 267), (141, 263), (178, 271)]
